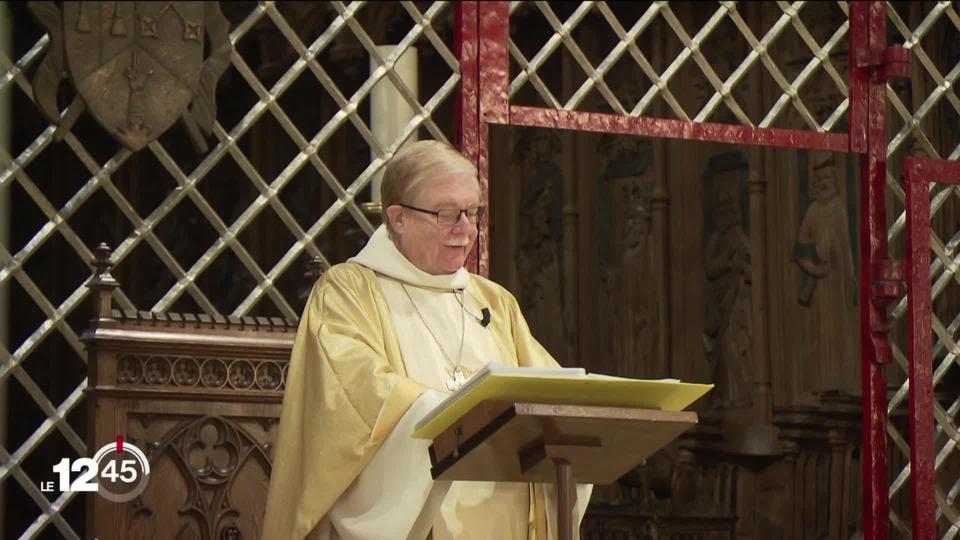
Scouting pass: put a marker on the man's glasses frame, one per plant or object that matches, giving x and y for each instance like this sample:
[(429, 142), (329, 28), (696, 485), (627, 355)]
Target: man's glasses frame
[(450, 216)]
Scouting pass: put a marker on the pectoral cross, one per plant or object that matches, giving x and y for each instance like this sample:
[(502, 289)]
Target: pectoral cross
[(458, 380)]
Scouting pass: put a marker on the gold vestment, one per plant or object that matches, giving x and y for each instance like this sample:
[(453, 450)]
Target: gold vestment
[(346, 389)]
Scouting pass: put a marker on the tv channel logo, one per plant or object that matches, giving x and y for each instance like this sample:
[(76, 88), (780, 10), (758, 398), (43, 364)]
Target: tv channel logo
[(118, 472)]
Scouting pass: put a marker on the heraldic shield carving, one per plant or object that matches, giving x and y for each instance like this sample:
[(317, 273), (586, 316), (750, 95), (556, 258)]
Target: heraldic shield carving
[(136, 66)]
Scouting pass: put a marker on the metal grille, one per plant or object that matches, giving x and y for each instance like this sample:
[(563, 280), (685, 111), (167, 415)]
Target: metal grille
[(336, 28), (924, 116), (734, 43)]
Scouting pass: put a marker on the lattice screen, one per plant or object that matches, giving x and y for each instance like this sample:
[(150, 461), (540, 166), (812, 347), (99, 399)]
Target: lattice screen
[(797, 51), (924, 119), (275, 188), (222, 233)]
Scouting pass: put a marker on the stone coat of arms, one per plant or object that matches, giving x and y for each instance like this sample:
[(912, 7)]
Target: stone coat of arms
[(136, 66)]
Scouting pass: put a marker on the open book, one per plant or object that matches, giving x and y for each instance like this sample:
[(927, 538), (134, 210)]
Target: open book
[(562, 386)]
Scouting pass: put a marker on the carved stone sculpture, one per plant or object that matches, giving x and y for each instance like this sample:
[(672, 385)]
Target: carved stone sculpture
[(825, 255), (727, 333), (631, 300), (136, 66), (539, 239), (624, 240)]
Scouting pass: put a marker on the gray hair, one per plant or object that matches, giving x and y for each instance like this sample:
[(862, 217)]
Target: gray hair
[(417, 162)]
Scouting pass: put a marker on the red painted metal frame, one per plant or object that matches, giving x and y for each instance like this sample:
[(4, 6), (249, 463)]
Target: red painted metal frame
[(481, 37), (878, 274), (932, 170), (495, 106), (486, 80), (920, 173), (495, 59), (469, 136), (859, 81), (677, 129), (466, 115)]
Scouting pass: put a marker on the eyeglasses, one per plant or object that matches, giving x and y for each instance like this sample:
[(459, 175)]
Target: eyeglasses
[(450, 216)]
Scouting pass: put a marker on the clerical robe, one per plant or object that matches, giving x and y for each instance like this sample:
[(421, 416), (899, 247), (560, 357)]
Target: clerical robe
[(348, 390)]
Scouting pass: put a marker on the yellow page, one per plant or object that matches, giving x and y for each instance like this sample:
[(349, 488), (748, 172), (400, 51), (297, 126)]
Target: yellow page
[(590, 390)]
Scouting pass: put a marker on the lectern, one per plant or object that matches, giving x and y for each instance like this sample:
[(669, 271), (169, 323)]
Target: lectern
[(502, 441)]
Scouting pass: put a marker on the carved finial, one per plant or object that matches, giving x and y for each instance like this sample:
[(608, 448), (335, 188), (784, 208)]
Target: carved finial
[(102, 284), (101, 258)]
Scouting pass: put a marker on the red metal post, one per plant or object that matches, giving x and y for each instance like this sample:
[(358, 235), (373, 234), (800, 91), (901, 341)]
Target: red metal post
[(495, 59), (467, 115), (919, 174), (919, 310), (483, 31), (859, 39), (867, 26), (467, 111), (493, 24), (670, 128)]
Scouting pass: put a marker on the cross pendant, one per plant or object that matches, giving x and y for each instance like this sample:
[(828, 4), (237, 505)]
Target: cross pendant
[(457, 382)]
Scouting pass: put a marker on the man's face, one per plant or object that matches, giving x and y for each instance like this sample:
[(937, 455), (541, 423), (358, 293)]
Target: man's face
[(434, 248), (727, 202), (826, 189)]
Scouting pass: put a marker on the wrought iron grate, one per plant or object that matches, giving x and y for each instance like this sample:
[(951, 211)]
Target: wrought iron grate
[(920, 111), (323, 49), (798, 49)]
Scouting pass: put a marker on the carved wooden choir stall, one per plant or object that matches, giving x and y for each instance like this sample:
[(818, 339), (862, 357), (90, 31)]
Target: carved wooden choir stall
[(201, 397)]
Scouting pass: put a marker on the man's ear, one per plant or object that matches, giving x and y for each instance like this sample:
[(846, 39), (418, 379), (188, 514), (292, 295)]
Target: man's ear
[(394, 215)]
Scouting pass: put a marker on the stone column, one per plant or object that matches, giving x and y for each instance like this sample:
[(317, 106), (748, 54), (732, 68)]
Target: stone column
[(571, 143), (757, 184), (839, 482), (790, 452), (660, 229), (760, 297)]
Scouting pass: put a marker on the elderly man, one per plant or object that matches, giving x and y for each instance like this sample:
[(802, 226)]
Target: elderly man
[(383, 339)]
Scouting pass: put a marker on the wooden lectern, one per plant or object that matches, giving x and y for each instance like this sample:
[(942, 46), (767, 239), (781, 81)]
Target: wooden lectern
[(499, 441)]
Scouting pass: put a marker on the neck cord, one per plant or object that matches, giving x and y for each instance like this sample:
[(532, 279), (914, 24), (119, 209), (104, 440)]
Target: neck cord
[(457, 373), (464, 307)]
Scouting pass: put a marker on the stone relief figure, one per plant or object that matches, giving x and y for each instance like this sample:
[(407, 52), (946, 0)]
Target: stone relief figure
[(632, 303), (727, 331), (626, 262), (829, 287), (540, 237)]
